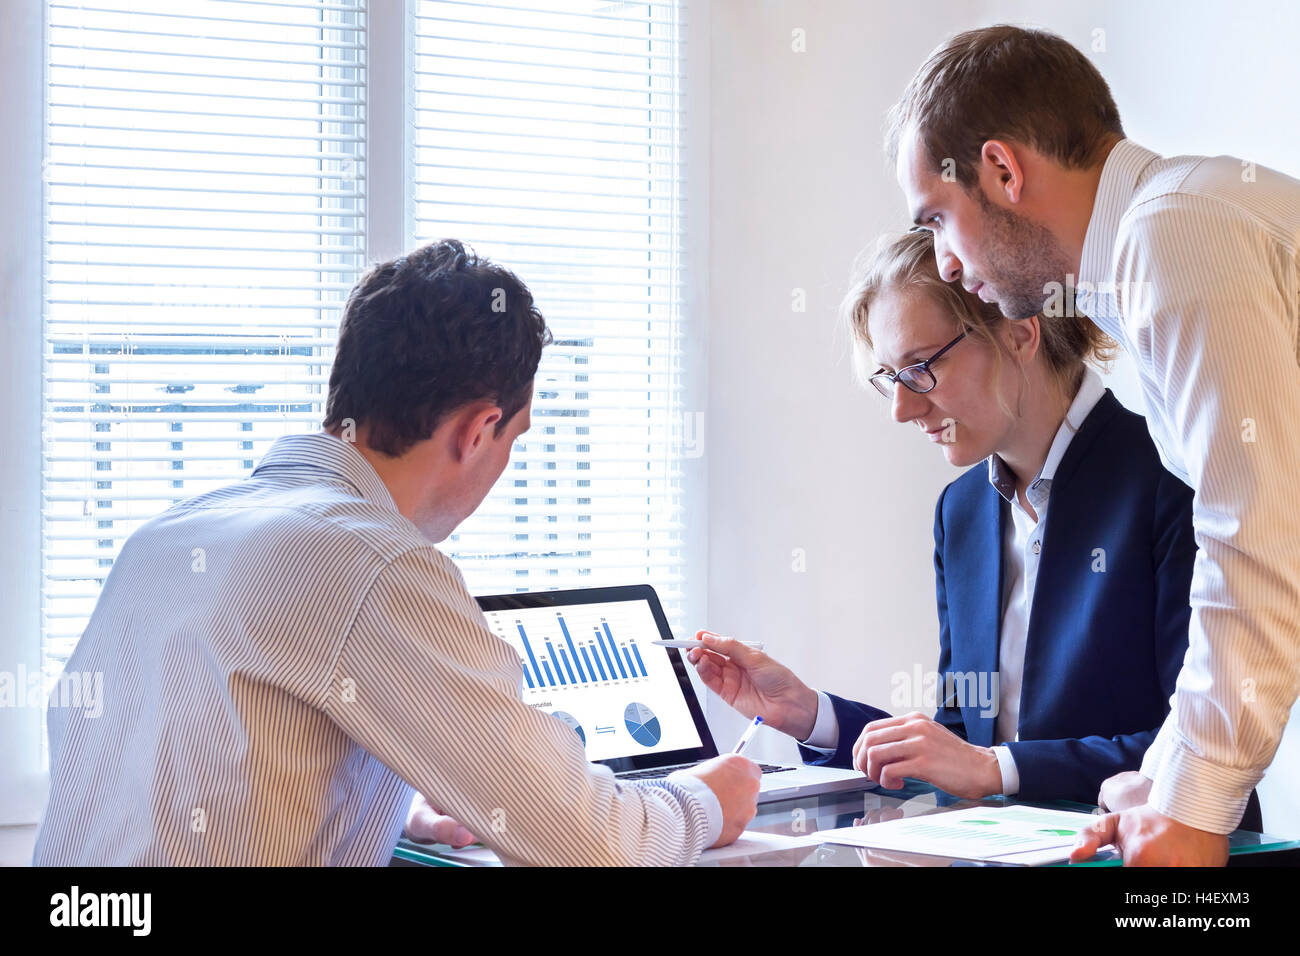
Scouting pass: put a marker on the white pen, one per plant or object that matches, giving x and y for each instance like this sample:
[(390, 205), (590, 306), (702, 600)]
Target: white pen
[(687, 645), (749, 732)]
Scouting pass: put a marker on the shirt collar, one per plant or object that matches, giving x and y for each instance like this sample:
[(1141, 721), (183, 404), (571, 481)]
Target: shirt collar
[(1119, 180), (332, 456), (1003, 478)]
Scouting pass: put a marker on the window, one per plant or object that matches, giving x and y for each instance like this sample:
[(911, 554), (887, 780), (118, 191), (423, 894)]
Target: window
[(550, 138), (205, 195), (206, 212)]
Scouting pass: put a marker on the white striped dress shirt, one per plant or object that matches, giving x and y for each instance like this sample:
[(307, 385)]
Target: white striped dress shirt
[(1193, 264), (283, 660)]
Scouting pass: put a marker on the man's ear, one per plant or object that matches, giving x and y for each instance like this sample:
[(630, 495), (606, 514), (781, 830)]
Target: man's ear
[(1000, 171), (477, 427)]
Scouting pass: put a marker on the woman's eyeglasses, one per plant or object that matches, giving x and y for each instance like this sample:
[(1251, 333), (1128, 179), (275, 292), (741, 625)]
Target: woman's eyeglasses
[(918, 378)]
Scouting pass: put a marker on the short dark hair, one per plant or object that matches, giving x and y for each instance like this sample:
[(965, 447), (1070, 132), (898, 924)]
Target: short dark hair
[(1006, 82), (430, 332)]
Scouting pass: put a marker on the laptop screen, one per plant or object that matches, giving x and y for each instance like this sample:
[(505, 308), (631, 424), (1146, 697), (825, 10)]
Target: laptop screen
[(588, 661)]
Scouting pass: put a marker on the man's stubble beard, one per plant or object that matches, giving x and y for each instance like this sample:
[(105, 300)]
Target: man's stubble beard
[(1033, 255)]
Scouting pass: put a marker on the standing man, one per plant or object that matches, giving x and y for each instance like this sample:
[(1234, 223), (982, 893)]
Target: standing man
[(1008, 146), (285, 658)]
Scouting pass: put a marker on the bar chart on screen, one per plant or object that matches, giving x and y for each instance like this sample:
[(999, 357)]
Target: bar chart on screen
[(597, 657), (583, 645)]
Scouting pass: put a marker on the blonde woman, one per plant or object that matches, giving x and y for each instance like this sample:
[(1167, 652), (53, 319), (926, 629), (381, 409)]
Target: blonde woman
[(1079, 622)]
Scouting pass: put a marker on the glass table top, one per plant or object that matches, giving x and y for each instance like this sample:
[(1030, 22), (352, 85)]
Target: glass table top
[(802, 816)]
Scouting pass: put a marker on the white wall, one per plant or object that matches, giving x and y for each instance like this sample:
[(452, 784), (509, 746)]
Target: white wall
[(22, 780), (798, 457)]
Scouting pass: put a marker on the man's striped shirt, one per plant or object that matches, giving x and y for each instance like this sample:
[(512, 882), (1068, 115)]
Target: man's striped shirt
[(283, 660), (1193, 264)]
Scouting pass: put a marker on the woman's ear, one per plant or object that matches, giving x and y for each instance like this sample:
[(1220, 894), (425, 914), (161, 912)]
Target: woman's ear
[(1023, 338)]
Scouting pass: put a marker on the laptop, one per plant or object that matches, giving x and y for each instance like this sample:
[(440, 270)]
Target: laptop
[(589, 663)]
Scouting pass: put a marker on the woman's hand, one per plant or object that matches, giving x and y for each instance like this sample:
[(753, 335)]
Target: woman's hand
[(754, 683), (917, 746)]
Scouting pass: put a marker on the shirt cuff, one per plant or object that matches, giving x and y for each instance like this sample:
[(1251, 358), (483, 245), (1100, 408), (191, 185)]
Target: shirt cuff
[(1195, 792), (1010, 775), (1151, 759), (708, 800), (825, 734)]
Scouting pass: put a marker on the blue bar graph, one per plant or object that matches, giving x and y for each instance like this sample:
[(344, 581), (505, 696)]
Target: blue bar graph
[(529, 648), (599, 666), (600, 641), (568, 663), (572, 650), (555, 659), (591, 670), (613, 647)]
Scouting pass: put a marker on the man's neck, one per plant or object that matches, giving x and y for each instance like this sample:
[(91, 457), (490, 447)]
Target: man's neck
[(405, 481), (1085, 185)]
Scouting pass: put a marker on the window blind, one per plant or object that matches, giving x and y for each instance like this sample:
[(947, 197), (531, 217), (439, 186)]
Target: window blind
[(205, 195), (205, 217), (549, 135)]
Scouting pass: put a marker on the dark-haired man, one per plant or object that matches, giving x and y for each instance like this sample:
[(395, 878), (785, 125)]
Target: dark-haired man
[(1008, 145), (285, 658)]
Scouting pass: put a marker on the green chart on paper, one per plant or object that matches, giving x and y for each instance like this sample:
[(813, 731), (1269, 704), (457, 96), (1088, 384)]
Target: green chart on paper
[(974, 833)]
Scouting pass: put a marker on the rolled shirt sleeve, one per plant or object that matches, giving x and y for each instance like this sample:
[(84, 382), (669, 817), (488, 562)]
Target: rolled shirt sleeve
[(424, 686), (708, 800)]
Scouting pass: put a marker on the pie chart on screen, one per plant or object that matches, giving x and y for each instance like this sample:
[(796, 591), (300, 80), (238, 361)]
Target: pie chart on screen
[(642, 724), (567, 718)]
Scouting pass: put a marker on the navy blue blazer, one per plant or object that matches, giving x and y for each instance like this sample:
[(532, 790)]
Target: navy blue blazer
[(1104, 647)]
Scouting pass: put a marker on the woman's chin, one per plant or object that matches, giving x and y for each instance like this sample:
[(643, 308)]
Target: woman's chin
[(961, 456)]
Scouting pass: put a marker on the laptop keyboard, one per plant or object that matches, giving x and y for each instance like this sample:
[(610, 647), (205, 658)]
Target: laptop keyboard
[(660, 772)]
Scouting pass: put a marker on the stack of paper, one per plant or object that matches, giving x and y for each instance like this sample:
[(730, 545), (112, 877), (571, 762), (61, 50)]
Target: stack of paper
[(1024, 835)]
